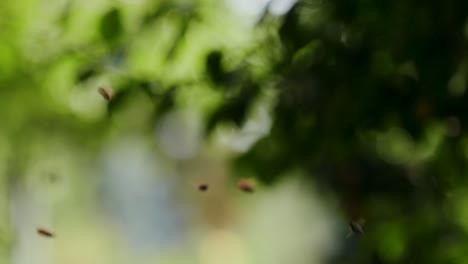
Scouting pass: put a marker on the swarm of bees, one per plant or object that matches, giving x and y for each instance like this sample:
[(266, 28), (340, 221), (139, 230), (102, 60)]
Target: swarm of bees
[(245, 185)]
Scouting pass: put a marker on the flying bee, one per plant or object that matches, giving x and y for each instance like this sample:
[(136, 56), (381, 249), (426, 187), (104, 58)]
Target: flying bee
[(203, 187), (246, 186), (45, 232), (355, 227), (106, 93)]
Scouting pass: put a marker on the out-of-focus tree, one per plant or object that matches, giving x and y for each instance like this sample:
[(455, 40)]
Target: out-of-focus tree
[(372, 103)]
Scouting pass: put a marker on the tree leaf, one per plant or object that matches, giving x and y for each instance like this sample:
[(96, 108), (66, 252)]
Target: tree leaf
[(111, 25)]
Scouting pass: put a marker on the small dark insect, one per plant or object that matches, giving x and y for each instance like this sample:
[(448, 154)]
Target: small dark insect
[(44, 232), (356, 226), (106, 93), (203, 187), (246, 186)]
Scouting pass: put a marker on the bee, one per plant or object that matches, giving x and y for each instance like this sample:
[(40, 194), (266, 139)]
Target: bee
[(106, 93), (355, 226), (246, 186), (203, 187), (45, 232)]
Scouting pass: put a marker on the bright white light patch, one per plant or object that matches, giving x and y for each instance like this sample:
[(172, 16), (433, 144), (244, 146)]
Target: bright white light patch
[(256, 7), (223, 246), (248, 7), (287, 224), (281, 7)]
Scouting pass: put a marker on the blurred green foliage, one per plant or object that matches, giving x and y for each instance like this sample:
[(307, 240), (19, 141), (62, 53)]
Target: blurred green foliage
[(371, 101), (368, 106)]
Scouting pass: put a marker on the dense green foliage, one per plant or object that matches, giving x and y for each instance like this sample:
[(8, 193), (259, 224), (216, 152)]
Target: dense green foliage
[(372, 103)]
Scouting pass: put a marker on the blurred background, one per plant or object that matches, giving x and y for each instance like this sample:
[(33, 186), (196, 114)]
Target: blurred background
[(336, 111)]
